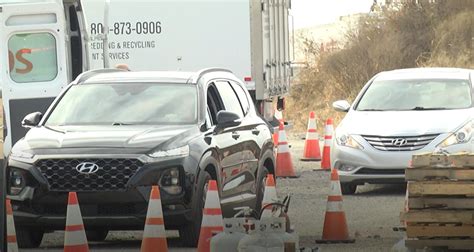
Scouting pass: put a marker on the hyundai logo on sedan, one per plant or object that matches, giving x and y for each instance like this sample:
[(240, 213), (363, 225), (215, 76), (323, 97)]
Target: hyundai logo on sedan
[(399, 142), (87, 168)]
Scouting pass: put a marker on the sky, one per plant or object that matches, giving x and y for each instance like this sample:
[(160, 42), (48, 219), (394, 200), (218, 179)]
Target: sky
[(308, 13)]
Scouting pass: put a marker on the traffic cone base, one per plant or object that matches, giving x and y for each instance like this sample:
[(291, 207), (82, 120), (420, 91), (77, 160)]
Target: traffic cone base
[(12, 245), (211, 218), (335, 225), (326, 160), (154, 235), (269, 196), (311, 151), (284, 164), (75, 239)]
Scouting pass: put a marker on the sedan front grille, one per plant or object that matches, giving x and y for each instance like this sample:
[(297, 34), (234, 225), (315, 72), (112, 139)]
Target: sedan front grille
[(113, 174), (399, 143)]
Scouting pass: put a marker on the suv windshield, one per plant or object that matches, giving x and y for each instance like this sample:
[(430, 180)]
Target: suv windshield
[(416, 95), (126, 103)]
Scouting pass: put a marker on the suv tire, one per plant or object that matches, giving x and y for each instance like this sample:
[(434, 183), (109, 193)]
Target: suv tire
[(348, 188), (189, 234), (29, 238)]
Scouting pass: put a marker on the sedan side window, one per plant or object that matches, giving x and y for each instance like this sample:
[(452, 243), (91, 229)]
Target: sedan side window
[(242, 97), (228, 96)]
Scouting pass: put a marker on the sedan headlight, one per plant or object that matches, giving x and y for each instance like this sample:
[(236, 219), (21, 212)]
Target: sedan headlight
[(348, 141), (460, 136), (177, 152)]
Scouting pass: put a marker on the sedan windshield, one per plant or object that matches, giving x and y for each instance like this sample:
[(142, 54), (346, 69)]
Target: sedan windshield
[(126, 104), (416, 95)]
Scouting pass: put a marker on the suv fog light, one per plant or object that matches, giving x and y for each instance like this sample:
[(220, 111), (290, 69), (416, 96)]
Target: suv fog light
[(346, 167), (169, 181), (17, 181)]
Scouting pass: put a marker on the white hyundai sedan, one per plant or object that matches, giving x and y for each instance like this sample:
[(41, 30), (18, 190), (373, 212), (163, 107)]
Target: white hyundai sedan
[(400, 113)]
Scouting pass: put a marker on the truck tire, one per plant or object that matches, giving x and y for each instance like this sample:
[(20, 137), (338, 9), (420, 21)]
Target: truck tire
[(189, 234), (29, 238), (348, 188), (97, 235), (260, 183)]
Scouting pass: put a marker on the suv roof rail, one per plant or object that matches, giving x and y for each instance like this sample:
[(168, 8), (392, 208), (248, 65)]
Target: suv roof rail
[(86, 75), (200, 73)]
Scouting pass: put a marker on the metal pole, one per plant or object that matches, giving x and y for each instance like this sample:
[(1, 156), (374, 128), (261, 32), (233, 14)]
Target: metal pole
[(105, 34)]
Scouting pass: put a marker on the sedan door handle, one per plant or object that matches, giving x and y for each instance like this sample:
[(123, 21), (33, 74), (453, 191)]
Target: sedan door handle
[(255, 131), (235, 135)]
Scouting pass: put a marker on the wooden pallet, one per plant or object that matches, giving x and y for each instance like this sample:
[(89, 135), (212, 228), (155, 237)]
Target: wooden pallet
[(464, 217), (439, 174), (422, 188), (417, 230), (463, 159), (457, 244), (444, 202)]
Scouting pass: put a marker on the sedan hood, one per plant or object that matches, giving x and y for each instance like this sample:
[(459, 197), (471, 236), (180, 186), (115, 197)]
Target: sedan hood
[(128, 136), (404, 123)]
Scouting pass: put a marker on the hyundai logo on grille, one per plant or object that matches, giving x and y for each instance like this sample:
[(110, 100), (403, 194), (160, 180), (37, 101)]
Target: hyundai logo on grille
[(87, 168), (399, 142)]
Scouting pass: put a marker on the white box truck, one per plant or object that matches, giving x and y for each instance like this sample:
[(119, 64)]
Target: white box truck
[(45, 44)]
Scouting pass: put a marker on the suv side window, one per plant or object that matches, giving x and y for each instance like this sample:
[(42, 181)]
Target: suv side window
[(242, 96), (214, 104), (228, 96)]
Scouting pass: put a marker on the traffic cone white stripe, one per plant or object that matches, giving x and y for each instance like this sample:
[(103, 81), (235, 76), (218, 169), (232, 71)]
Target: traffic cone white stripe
[(269, 196), (335, 189), (75, 238), (209, 200), (154, 230), (283, 148), (214, 220), (328, 130), (312, 135), (282, 137), (157, 212), (311, 124), (334, 206), (75, 216)]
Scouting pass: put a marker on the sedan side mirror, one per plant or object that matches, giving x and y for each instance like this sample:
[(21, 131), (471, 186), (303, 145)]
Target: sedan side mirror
[(342, 106), (227, 118), (31, 120)]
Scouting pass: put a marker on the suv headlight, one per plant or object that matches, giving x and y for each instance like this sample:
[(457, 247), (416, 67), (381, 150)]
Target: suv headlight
[(17, 181), (460, 136), (348, 141), (177, 152)]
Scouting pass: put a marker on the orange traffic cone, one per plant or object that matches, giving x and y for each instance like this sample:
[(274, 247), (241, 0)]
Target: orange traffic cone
[(335, 225), (326, 162), (269, 196), (12, 245), (154, 236), (75, 236), (311, 151), (212, 218), (284, 164)]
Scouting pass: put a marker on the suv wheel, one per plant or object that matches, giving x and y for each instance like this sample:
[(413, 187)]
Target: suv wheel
[(97, 235), (261, 181), (189, 234), (29, 238), (348, 188)]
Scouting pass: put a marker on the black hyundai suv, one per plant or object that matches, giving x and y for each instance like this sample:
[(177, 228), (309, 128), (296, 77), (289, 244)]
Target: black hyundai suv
[(111, 134)]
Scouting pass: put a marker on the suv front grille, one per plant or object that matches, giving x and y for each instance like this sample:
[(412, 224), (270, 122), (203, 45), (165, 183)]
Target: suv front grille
[(399, 143), (112, 175)]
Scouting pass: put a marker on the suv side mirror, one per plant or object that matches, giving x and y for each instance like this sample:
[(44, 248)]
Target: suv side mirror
[(227, 118), (342, 106), (31, 120)]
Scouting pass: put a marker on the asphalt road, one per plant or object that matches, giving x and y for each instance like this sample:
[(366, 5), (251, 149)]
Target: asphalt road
[(371, 214)]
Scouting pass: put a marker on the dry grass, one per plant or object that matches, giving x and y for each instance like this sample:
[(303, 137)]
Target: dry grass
[(427, 34)]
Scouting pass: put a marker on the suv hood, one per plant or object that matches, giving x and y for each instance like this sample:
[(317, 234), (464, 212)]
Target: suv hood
[(404, 123), (129, 136)]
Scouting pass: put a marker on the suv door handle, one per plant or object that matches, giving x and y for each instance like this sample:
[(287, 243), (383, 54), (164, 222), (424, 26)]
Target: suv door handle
[(235, 135), (255, 131)]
